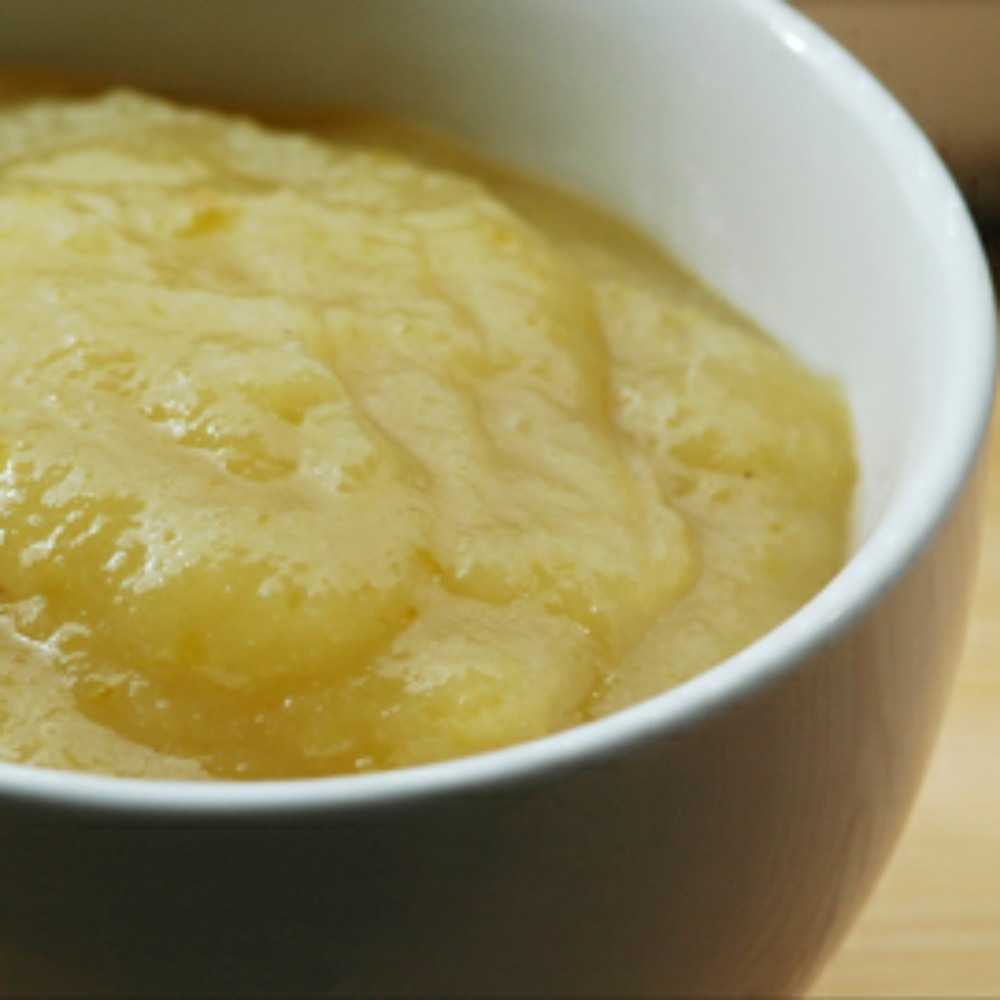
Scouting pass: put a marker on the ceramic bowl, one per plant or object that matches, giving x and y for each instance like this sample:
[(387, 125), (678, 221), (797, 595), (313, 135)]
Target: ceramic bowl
[(718, 839)]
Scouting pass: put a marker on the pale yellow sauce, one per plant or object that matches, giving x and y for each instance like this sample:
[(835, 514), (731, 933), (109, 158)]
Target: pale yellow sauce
[(317, 457)]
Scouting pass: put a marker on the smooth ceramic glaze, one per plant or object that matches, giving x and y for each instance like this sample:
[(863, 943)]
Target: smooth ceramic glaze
[(720, 838)]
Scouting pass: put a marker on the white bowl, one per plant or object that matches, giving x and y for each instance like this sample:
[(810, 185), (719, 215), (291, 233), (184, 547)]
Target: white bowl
[(718, 839)]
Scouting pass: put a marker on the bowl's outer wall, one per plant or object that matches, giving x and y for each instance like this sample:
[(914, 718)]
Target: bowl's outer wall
[(726, 861)]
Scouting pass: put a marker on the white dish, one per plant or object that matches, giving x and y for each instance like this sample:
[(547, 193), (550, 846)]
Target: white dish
[(715, 840)]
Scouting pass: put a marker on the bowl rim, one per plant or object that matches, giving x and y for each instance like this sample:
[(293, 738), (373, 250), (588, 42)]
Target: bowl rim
[(932, 490)]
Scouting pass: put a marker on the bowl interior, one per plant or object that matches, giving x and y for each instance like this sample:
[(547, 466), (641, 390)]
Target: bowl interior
[(757, 152)]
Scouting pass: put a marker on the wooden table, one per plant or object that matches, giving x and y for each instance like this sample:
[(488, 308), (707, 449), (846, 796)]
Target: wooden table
[(932, 928)]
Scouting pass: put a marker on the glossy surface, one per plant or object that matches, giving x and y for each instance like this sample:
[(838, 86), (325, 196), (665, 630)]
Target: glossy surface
[(618, 879), (316, 459), (718, 839)]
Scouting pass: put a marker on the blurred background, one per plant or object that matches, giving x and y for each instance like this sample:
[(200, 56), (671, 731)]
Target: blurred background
[(941, 59), (933, 927)]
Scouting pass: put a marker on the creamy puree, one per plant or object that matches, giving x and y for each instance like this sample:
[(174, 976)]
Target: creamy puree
[(317, 457)]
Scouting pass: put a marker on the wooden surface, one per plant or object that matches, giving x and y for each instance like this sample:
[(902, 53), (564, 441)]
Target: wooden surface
[(933, 927)]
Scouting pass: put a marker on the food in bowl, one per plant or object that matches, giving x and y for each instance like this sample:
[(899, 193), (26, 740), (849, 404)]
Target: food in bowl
[(345, 451)]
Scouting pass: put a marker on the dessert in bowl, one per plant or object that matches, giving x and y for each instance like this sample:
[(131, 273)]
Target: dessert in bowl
[(319, 459), (717, 838)]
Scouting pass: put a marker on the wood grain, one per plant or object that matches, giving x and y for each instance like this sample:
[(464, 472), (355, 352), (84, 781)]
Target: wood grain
[(933, 926)]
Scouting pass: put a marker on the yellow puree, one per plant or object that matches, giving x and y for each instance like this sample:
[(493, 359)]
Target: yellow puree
[(317, 458)]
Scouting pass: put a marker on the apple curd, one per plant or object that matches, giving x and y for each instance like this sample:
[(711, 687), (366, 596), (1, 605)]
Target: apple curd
[(337, 451)]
